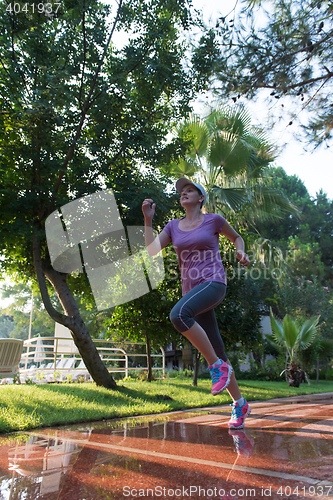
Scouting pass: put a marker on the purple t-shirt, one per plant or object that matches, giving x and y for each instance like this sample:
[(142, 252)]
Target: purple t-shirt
[(198, 252)]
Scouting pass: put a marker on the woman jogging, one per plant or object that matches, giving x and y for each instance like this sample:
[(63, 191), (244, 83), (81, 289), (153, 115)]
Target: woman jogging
[(195, 238)]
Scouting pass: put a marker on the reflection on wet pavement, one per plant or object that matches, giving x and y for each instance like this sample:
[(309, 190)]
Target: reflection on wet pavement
[(286, 451)]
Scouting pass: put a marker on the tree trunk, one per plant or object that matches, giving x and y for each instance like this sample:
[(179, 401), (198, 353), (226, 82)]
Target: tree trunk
[(307, 378), (295, 375), (257, 358), (150, 371), (71, 319), (187, 355), (196, 368)]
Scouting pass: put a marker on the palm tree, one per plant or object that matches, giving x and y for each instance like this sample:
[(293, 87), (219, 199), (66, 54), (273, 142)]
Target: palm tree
[(230, 158), (293, 337)]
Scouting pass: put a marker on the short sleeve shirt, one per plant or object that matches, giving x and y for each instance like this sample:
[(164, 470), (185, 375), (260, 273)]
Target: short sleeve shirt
[(198, 251)]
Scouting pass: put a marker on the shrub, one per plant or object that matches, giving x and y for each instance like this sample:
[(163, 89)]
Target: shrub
[(179, 374), (271, 371), (143, 375), (324, 374), (275, 366)]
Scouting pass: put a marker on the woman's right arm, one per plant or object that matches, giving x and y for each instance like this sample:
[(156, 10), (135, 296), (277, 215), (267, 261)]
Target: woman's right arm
[(154, 245)]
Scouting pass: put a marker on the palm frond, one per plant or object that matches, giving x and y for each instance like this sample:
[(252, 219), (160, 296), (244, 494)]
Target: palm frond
[(231, 153), (270, 204), (182, 168), (233, 198), (220, 147), (235, 119), (308, 332), (197, 132), (261, 155), (290, 334), (271, 341), (277, 330)]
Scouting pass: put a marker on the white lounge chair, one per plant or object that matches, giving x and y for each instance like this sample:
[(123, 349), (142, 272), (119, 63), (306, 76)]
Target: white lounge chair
[(10, 356)]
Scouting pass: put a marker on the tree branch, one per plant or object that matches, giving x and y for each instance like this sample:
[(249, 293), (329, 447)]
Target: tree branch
[(312, 97), (301, 84)]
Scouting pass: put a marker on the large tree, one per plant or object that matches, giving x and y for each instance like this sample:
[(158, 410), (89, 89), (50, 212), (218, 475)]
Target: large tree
[(283, 47), (74, 109)]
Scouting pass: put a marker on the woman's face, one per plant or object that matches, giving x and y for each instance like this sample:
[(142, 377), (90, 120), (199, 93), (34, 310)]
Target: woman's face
[(190, 196)]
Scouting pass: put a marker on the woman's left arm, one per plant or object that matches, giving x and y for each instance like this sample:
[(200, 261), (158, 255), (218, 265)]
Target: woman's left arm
[(238, 241)]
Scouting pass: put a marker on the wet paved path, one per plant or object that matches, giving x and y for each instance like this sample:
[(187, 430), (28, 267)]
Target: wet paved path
[(285, 452)]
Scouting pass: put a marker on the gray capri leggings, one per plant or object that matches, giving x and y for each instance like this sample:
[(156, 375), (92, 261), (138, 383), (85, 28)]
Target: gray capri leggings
[(198, 306)]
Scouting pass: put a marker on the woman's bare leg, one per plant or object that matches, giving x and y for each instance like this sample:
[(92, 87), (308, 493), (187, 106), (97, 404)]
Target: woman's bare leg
[(198, 337), (233, 388)]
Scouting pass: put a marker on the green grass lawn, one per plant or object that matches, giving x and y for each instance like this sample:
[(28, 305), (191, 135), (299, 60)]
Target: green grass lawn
[(24, 407)]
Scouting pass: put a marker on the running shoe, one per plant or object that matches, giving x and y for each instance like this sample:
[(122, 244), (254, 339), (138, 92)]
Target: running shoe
[(243, 444), (238, 415), (220, 376)]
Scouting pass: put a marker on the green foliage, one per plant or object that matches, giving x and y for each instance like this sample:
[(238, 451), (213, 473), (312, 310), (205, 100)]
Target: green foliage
[(292, 335), (308, 237), (204, 56), (20, 308), (180, 374), (303, 299), (66, 126), (147, 314), (7, 326), (284, 47), (319, 219), (319, 354), (324, 374), (294, 189), (270, 371), (305, 259), (239, 314), (42, 325), (16, 378)]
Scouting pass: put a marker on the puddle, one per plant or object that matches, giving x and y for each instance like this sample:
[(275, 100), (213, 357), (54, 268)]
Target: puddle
[(285, 452)]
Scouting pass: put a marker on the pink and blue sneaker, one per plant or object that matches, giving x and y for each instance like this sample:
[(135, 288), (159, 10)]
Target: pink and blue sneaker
[(238, 415), (220, 373), (243, 443)]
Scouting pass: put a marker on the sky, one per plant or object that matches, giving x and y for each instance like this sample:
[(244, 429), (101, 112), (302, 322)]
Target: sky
[(315, 169)]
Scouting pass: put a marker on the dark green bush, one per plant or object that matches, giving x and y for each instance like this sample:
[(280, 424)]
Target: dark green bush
[(324, 374), (271, 371)]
